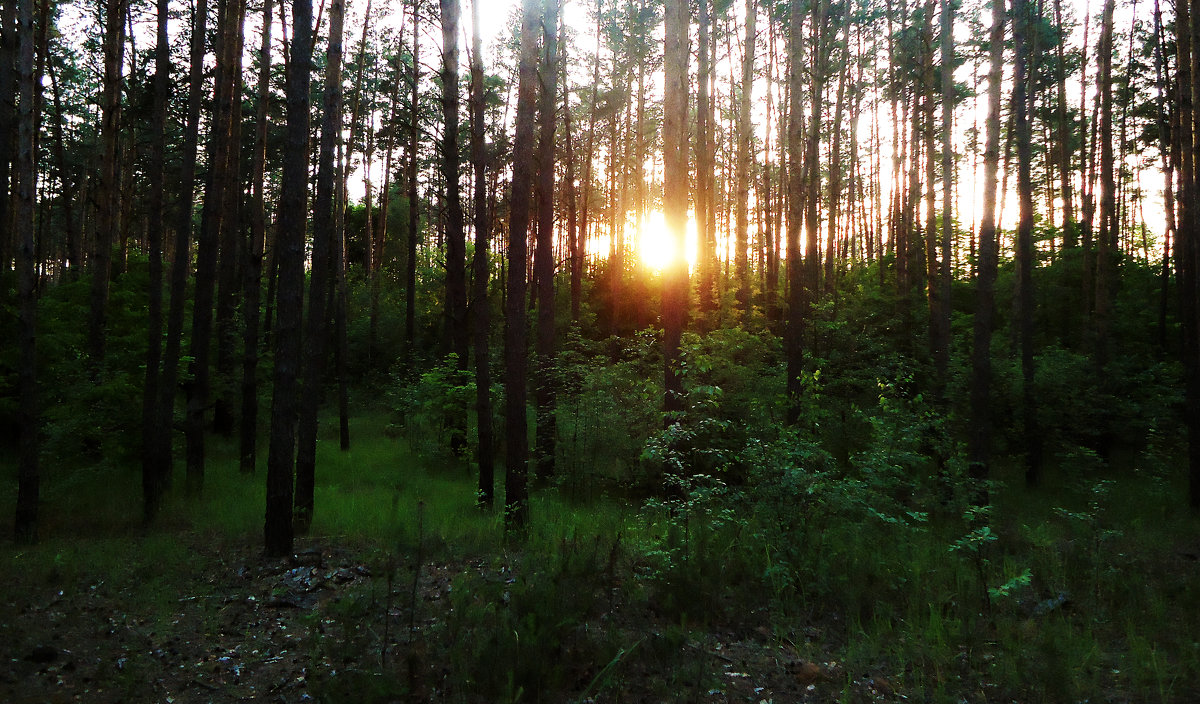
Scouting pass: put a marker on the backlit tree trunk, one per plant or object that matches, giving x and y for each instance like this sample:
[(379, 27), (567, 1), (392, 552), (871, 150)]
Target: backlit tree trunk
[(675, 197), (154, 473), (544, 391), (28, 484), (480, 269), (742, 176), (1022, 99), (316, 337), (252, 281), (516, 495), (980, 441), (289, 239)]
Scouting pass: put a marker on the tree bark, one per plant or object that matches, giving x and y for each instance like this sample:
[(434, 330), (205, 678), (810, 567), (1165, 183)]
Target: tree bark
[(252, 279), (796, 318), (516, 498), (414, 236), (456, 251), (544, 392), (942, 349), (222, 185), (742, 174), (1106, 239), (109, 196), (154, 473), (479, 304), (277, 529), (316, 337), (706, 260), (980, 439), (1022, 99), (28, 480), (168, 382), (675, 198)]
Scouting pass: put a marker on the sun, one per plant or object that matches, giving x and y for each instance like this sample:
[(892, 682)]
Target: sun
[(654, 245)]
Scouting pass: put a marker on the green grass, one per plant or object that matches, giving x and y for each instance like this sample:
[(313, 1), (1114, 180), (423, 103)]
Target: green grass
[(894, 602)]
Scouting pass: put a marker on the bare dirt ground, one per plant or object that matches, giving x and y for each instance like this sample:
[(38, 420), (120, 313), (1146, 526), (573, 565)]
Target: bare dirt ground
[(233, 626)]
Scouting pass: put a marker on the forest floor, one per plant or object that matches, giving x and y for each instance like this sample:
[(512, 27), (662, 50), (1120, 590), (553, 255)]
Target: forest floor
[(225, 624)]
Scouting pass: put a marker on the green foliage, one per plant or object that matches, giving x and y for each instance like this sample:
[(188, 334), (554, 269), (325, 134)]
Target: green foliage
[(434, 410)]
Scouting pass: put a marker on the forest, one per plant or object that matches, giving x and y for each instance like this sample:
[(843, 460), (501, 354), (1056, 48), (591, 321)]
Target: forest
[(600, 350)]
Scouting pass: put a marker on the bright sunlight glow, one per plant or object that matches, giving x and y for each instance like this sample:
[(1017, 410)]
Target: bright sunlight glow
[(654, 245)]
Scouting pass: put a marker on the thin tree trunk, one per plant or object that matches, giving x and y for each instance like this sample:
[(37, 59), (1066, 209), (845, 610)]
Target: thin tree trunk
[(1106, 239), (479, 303), (516, 496), (316, 334), (183, 235), (109, 197), (1064, 151), (589, 158), (153, 472), (231, 248), (942, 349), (675, 195), (980, 439), (252, 279), (222, 184), (28, 489), (796, 314), (706, 232), (546, 432), (8, 110), (290, 246), (742, 176), (414, 236), (835, 169), (1022, 99)]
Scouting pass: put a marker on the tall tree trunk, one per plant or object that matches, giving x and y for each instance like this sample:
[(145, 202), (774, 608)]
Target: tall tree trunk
[(929, 93), (414, 236), (222, 184), (26, 519), (742, 175), (277, 530), (1063, 138), (1186, 250), (544, 390), (316, 335), (8, 111), (796, 313), (589, 157), (812, 166), (835, 167), (183, 235), (456, 251), (706, 260), (341, 304), (942, 349), (375, 266), (980, 439), (70, 186), (1106, 239), (574, 241), (109, 196), (1022, 99), (456, 246), (675, 195), (153, 471), (516, 495), (479, 266), (231, 248), (252, 279)]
